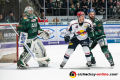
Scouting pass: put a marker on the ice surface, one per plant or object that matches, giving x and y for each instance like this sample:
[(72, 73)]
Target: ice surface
[(77, 63)]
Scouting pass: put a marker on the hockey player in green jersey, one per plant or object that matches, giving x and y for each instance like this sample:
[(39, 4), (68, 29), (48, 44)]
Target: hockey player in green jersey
[(98, 37), (29, 24)]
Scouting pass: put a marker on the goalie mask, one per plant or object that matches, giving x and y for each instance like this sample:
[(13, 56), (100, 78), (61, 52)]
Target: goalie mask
[(28, 11)]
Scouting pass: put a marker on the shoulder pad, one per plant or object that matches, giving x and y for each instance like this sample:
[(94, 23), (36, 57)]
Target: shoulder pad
[(74, 21), (88, 20)]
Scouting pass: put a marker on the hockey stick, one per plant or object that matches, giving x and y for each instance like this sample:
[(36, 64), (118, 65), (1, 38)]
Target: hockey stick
[(76, 35), (12, 28), (28, 49)]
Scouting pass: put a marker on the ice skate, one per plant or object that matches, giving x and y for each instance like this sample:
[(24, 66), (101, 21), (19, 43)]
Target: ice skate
[(22, 65), (93, 62), (89, 64), (62, 65), (112, 64)]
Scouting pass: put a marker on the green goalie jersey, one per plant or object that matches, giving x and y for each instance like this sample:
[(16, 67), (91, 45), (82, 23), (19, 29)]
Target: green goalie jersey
[(98, 29), (29, 25)]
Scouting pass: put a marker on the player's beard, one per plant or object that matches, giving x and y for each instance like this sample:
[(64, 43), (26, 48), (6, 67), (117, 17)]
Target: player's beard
[(92, 18)]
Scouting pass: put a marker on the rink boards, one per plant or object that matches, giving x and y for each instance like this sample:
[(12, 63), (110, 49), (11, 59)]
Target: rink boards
[(57, 33)]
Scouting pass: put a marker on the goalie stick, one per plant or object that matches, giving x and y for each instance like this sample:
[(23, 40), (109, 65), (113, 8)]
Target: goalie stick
[(28, 49)]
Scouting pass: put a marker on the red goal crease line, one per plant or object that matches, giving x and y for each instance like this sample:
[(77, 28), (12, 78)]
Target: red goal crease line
[(7, 65)]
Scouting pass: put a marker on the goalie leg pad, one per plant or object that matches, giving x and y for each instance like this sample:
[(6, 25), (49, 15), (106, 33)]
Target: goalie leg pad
[(24, 58), (40, 51), (44, 60)]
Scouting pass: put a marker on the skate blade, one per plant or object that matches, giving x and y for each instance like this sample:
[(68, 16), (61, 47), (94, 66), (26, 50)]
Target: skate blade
[(61, 67), (18, 67), (89, 67), (44, 65), (93, 64), (112, 67)]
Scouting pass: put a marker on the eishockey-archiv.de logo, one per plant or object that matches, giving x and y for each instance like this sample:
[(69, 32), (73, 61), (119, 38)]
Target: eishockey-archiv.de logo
[(73, 74)]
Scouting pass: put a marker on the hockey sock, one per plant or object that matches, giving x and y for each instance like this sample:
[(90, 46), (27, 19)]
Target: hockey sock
[(67, 55), (107, 53), (91, 54)]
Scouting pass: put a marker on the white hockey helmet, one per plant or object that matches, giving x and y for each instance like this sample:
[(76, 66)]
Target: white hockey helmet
[(27, 10)]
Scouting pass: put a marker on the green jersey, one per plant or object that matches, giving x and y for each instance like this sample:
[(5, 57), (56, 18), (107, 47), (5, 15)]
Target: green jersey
[(29, 25), (98, 29)]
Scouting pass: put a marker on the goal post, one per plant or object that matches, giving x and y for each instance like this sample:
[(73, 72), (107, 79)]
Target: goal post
[(9, 47)]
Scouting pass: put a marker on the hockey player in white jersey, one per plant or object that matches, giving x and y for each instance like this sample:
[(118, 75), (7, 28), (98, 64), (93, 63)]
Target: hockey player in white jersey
[(81, 27)]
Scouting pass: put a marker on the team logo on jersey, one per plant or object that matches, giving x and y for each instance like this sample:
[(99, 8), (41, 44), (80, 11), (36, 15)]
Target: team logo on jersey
[(72, 74), (34, 24), (81, 32), (33, 20), (85, 25)]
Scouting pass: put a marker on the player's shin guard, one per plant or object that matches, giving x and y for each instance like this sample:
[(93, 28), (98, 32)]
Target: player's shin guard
[(66, 57)]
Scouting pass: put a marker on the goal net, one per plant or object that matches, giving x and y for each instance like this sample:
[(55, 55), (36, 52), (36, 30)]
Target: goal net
[(8, 44)]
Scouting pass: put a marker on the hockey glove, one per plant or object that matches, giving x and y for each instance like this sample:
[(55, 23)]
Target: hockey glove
[(88, 29), (66, 38)]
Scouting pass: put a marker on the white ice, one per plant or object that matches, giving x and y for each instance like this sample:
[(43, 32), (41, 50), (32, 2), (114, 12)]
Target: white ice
[(77, 63)]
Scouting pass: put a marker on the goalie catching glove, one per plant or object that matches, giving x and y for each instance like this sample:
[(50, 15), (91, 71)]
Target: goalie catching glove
[(43, 34)]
